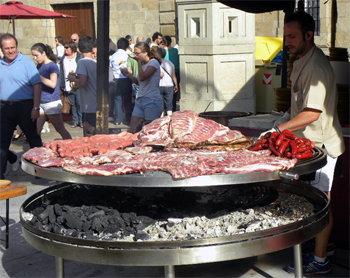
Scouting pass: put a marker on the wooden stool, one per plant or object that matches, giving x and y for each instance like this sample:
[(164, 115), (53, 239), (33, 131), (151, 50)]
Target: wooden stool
[(7, 191)]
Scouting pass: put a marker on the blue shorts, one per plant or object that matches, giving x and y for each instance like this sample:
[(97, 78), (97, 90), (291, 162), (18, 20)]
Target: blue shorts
[(148, 108)]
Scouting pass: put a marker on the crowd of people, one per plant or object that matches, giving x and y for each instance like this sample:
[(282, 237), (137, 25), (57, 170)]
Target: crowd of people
[(142, 83)]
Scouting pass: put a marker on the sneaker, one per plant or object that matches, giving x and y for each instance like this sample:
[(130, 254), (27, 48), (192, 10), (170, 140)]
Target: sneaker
[(317, 268), (45, 130), (310, 266)]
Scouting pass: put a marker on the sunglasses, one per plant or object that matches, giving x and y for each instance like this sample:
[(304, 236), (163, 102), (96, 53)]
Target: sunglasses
[(66, 47), (74, 40)]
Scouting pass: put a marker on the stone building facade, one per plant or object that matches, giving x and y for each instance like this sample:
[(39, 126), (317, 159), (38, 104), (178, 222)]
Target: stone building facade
[(144, 17)]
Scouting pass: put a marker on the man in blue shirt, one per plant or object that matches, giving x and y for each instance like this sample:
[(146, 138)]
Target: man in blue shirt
[(20, 91)]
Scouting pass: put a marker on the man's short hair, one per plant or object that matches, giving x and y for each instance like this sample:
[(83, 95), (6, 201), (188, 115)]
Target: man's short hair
[(148, 40), (161, 51), (7, 36), (140, 39), (305, 21), (122, 43), (85, 44), (156, 35)]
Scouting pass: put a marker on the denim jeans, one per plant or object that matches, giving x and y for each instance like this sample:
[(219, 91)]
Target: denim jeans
[(11, 116), (148, 108), (123, 92), (167, 94), (75, 106)]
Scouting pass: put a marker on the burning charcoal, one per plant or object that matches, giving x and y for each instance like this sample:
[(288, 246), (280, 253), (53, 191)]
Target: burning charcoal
[(52, 215), (57, 229), (97, 224), (170, 227), (37, 211), (73, 221), (58, 209), (47, 228), (71, 232), (141, 236), (98, 213), (38, 225), (90, 235), (112, 229), (61, 220), (86, 226), (42, 216)]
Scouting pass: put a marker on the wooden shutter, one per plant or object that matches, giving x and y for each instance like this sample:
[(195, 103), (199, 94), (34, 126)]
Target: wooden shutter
[(83, 25)]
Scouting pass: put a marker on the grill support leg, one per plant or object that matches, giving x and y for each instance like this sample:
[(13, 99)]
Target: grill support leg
[(59, 267), (169, 271), (298, 263)]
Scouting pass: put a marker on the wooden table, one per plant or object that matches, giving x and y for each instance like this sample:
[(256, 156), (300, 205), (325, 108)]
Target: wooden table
[(8, 191)]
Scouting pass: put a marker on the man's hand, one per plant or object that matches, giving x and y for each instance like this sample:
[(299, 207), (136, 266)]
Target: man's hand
[(274, 129), (34, 114), (283, 119)]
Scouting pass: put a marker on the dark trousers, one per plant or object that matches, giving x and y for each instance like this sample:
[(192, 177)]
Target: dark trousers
[(75, 106), (11, 116), (123, 92)]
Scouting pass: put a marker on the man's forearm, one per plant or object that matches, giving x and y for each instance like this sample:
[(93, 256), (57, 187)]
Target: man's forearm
[(37, 94)]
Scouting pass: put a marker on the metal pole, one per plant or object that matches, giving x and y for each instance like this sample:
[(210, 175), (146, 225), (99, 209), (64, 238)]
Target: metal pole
[(169, 271), (298, 264), (59, 267), (7, 223)]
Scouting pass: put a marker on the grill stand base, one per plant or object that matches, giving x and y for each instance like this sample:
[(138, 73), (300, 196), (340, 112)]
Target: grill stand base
[(298, 264), (169, 270), (59, 267)]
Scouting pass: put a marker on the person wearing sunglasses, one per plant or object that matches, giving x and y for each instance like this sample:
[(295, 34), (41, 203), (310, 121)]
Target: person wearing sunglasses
[(68, 63)]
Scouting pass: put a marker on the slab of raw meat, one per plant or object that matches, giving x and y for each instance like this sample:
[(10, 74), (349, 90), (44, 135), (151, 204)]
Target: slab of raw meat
[(224, 135), (36, 154), (268, 165), (203, 130), (182, 123), (155, 133), (51, 162), (138, 150)]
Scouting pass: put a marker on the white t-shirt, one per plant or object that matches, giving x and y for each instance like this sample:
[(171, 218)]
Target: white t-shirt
[(87, 94), (150, 87), (68, 66), (116, 59), (60, 50), (166, 80)]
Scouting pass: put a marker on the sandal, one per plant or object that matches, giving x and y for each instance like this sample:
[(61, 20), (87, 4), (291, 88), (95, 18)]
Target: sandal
[(17, 136), (74, 126)]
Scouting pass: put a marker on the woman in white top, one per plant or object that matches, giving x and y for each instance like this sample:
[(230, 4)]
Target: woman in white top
[(168, 82), (148, 103), (59, 47)]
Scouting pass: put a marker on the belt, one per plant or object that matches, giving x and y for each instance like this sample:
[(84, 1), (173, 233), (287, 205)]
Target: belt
[(15, 102)]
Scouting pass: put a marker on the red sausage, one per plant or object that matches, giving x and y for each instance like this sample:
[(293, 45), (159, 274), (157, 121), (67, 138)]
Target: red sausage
[(257, 147), (280, 139), (294, 148), (302, 148), (283, 147), (304, 155), (273, 150)]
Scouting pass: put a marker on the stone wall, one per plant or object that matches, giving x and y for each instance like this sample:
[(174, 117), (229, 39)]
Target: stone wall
[(271, 25)]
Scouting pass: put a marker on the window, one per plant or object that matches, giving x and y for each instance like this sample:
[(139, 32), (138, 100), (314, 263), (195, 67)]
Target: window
[(312, 7)]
